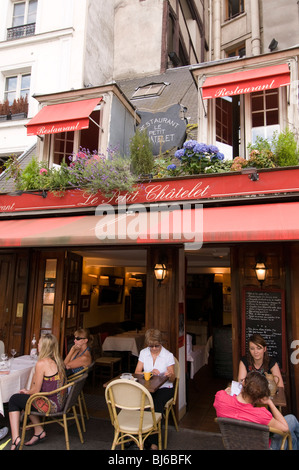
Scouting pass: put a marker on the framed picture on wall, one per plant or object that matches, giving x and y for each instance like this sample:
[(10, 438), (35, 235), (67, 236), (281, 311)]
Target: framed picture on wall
[(85, 303)]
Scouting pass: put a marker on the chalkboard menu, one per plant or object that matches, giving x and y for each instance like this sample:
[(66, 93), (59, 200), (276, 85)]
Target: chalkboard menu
[(264, 313)]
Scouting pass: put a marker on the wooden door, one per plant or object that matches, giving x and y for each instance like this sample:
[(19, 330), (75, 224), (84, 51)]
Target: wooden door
[(73, 274), (14, 269), (55, 294)]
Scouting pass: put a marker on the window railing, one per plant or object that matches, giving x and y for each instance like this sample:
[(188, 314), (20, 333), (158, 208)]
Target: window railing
[(21, 31)]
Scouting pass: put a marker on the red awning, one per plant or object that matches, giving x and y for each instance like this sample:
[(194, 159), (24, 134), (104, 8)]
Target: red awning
[(252, 223), (249, 81), (62, 117)]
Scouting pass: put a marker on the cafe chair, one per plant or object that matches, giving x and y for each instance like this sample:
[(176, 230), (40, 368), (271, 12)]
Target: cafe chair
[(132, 413), (113, 364), (81, 399), (68, 412), (170, 405), (244, 435)]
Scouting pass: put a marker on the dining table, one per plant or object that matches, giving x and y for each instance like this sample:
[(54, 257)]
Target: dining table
[(129, 341), (151, 385), (16, 376)]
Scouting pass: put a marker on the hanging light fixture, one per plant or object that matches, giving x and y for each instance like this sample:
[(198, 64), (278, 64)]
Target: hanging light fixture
[(260, 270), (160, 271)]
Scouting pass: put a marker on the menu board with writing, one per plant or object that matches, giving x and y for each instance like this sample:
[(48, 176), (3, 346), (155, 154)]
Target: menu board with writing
[(264, 313)]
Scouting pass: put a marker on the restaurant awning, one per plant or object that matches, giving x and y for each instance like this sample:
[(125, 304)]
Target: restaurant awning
[(249, 223), (63, 117), (249, 81)]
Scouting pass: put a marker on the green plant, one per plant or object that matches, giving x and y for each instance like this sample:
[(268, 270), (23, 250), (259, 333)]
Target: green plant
[(141, 153), (98, 173), (261, 155), (196, 157), (285, 148)]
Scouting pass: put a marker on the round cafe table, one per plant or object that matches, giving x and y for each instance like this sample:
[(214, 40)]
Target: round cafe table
[(18, 376)]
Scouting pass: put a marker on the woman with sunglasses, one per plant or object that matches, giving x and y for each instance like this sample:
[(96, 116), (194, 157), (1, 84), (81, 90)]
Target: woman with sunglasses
[(79, 355), (158, 360)]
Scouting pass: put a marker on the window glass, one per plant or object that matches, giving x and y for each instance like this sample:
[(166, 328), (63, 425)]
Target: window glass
[(32, 11), (18, 18)]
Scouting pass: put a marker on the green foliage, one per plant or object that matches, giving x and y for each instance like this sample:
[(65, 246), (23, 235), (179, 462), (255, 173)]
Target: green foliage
[(285, 148), (142, 159)]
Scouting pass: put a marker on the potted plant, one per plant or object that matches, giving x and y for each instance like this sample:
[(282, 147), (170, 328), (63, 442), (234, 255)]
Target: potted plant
[(4, 111), (19, 108)]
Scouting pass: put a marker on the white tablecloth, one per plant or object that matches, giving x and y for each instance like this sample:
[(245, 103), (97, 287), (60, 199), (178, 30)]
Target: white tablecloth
[(198, 356), (128, 341), (20, 376)]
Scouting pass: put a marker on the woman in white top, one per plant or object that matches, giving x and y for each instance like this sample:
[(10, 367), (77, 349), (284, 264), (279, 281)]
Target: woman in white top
[(158, 360)]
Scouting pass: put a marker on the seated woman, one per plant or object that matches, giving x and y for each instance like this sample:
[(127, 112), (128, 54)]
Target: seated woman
[(48, 376), (258, 360), (79, 355), (246, 407), (158, 360)]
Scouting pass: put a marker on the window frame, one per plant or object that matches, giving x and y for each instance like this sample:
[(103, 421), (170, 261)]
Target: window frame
[(18, 90)]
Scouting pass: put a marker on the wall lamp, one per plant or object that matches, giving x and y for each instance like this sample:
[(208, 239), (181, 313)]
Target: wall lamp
[(160, 271), (260, 270)]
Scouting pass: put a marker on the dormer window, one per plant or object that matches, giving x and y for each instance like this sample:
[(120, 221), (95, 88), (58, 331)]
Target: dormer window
[(23, 19)]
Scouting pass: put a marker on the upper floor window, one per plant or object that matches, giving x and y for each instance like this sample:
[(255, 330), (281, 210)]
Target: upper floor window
[(238, 51), (23, 19), (17, 86), (264, 113), (234, 8)]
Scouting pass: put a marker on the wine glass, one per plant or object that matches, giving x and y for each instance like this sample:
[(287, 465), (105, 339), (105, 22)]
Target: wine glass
[(4, 357), (13, 352)]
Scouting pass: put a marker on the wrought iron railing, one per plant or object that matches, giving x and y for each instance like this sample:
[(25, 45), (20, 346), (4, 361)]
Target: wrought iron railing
[(21, 31)]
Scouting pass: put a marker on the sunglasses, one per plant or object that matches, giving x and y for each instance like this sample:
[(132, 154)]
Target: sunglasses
[(154, 346), (78, 338)]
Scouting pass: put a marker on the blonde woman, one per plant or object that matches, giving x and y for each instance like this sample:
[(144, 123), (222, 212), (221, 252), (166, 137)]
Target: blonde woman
[(48, 376), (79, 355)]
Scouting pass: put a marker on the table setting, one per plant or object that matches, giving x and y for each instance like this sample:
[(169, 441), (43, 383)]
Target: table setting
[(15, 373)]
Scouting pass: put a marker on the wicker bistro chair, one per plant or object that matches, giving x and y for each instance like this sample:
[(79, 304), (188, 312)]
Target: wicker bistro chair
[(170, 405), (132, 413), (62, 417), (244, 435), (81, 399)]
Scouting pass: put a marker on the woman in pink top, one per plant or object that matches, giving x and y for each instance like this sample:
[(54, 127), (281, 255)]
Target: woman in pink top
[(255, 391)]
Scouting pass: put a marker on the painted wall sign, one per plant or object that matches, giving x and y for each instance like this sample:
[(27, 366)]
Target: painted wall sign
[(179, 189), (165, 130)]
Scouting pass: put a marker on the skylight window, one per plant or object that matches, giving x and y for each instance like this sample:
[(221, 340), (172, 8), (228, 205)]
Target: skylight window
[(148, 91)]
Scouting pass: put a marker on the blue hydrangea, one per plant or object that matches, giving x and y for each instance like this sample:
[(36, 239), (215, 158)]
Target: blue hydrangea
[(200, 148), (189, 144), (213, 149), (171, 167), (179, 153), (218, 156)]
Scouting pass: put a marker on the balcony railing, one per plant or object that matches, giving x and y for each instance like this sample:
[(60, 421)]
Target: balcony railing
[(21, 31)]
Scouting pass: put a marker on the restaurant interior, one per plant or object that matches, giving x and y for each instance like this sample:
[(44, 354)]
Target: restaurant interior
[(114, 294)]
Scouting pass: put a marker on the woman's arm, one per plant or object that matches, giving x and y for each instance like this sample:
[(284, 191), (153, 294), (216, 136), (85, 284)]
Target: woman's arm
[(139, 367), (242, 372), (278, 420), (170, 373), (82, 361), (276, 371)]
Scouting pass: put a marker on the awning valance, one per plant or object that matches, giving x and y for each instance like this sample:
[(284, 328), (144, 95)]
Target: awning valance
[(253, 223), (248, 81), (63, 117)]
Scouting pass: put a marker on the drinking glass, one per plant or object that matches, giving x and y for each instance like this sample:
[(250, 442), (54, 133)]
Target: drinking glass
[(13, 352)]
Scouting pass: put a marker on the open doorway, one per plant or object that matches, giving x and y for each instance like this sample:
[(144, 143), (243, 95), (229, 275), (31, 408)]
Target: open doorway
[(208, 333)]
